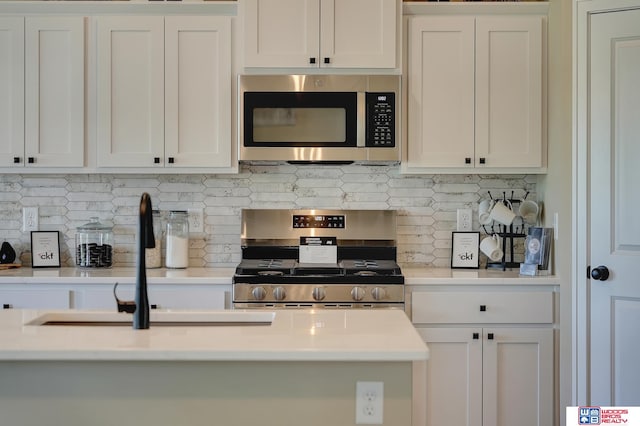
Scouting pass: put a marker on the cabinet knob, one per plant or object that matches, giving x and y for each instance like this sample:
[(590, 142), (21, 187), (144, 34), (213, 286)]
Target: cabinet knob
[(16, 160), (467, 160), (7, 306), (327, 60), (172, 160), (312, 60), (476, 336), (483, 160), (31, 160), (483, 308), (156, 160), (490, 336)]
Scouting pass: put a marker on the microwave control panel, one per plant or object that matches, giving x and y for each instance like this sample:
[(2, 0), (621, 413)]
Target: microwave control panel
[(381, 113)]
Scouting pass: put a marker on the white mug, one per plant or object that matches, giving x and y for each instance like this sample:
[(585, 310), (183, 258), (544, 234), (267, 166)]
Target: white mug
[(529, 211), (503, 213), (490, 246), (484, 211)]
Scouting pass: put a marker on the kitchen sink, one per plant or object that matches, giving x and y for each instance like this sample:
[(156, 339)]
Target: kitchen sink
[(158, 318)]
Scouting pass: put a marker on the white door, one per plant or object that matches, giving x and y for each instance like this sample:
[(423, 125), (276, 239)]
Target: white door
[(367, 42), (281, 33), (198, 91), (508, 92), (54, 91), (130, 85), (11, 91), (614, 135)]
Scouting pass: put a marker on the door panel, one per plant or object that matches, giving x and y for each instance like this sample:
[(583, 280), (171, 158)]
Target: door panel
[(614, 233)]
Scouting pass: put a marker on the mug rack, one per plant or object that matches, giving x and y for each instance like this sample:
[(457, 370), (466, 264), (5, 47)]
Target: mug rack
[(508, 234)]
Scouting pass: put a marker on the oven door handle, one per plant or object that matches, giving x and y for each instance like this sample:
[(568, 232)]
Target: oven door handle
[(362, 119)]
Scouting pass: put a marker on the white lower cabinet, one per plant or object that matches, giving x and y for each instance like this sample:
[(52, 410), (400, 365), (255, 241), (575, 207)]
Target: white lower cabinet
[(35, 299), (491, 357), (160, 297)]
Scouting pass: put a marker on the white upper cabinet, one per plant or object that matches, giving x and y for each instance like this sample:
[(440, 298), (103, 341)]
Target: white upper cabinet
[(163, 91), (320, 33), (42, 118), (475, 91)]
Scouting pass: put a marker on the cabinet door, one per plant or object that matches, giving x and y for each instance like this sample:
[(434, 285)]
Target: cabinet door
[(441, 92), (518, 376), (368, 41), (198, 91), (34, 299), (509, 91), (281, 33), (54, 91), (11, 91), (130, 91), (454, 376)]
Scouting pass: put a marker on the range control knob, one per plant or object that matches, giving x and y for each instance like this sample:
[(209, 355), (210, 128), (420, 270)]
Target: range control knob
[(378, 293), (259, 293), (319, 293), (279, 293), (357, 293)]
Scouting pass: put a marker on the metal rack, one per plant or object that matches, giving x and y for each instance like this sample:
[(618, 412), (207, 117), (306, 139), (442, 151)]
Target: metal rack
[(508, 234)]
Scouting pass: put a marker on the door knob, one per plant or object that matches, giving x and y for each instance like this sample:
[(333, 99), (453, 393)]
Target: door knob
[(601, 273)]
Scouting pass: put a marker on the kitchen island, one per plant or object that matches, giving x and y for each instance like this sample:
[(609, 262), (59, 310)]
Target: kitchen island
[(298, 368)]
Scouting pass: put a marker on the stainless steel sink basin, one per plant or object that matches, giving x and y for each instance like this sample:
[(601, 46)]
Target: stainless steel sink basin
[(158, 318)]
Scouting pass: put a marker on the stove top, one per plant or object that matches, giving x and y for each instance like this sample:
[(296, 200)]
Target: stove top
[(290, 267)]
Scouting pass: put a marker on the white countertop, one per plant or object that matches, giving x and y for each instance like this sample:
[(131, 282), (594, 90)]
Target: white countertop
[(70, 275), (223, 276), (296, 335), (446, 276)]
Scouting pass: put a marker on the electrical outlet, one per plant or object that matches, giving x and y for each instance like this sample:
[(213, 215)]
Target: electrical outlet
[(30, 220), (196, 220), (369, 402), (465, 221)]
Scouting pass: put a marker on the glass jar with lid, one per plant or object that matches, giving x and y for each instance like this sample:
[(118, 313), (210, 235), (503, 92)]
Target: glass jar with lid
[(177, 239), (153, 256), (94, 245)]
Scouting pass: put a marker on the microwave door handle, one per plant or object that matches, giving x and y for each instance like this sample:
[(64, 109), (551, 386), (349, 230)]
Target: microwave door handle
[(362, 120)]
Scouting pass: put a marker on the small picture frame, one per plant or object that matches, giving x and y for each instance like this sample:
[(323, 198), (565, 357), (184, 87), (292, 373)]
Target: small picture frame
[(465, 250), (45, 249)]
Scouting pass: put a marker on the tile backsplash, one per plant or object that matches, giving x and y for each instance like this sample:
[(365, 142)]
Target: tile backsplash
[(426, 205)]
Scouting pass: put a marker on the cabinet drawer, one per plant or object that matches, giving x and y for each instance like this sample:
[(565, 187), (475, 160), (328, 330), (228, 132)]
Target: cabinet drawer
[(34, 299), (489, 307)]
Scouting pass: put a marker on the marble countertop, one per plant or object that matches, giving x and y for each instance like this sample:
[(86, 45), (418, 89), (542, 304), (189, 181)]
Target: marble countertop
[(297, 335)]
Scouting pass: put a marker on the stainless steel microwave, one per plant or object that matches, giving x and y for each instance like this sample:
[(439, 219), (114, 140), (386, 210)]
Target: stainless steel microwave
[(319, 118)]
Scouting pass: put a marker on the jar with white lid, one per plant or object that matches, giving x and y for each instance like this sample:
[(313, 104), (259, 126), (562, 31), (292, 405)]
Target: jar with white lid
[(177, 239), (153, 256), (94, 245)]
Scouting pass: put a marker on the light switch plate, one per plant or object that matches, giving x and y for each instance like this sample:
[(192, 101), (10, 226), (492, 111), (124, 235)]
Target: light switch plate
[(30, 220)]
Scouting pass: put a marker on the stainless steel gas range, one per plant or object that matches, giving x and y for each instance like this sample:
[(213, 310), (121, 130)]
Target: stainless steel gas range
[(318, 259)]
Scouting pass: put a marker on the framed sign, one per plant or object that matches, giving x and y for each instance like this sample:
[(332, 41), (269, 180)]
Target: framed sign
[(465, 250), (45, 249)]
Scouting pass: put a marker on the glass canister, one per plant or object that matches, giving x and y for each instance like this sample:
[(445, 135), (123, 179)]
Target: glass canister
[(153, 256), (177, 236), (94, 245)]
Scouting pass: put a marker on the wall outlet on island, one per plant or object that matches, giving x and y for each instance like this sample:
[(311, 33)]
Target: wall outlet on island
[(196, 220), (369, 402), (465, 221)]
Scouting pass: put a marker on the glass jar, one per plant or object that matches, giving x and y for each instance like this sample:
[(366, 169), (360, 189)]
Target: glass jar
[(153, 256), (177, 235), (94, 245)]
